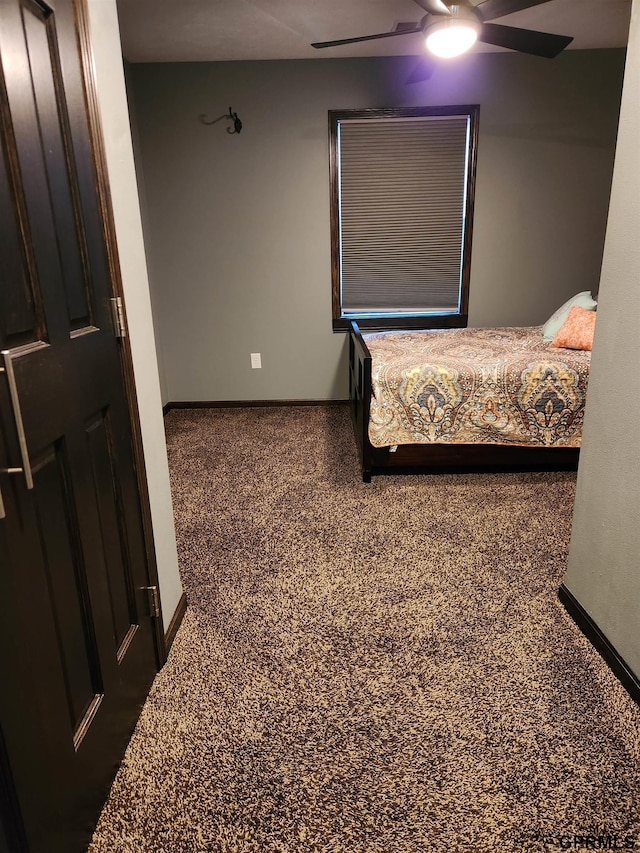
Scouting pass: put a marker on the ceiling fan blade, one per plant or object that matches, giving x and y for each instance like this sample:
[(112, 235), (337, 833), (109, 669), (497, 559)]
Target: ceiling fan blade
[(366, 38), (491, 9), (434, 7), (525, 41), (422, 71)]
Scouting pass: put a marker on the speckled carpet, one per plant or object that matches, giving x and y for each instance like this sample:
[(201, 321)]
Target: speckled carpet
[(369, 668)]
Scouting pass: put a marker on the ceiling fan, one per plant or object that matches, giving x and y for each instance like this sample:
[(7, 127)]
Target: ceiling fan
[(452, 28)]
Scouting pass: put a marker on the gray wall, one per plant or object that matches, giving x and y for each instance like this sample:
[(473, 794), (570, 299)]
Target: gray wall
[(237, 226), (604, 558), (144, 207)]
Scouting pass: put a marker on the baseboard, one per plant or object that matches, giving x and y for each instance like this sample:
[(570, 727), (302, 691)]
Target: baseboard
[(176, 621), (246, 404), (592, 632)]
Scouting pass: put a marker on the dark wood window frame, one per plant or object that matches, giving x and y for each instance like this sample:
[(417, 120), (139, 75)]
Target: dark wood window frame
[(341, 322)]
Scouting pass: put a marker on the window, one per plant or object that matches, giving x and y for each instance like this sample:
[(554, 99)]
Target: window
[(402, 188)]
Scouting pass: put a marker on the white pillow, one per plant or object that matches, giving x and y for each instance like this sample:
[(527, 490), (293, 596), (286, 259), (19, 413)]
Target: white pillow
[(556, 320)]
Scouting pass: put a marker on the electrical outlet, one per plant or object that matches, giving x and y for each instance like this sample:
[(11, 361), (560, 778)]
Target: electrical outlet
[(256, 360)]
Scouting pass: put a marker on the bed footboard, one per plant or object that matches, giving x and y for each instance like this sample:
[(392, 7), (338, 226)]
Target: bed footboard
[(360, 397)]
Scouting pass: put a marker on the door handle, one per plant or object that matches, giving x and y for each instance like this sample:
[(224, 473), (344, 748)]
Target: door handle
[(17, 417)]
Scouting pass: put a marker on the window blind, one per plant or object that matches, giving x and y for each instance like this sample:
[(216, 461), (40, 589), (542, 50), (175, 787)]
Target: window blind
[(402, 188)]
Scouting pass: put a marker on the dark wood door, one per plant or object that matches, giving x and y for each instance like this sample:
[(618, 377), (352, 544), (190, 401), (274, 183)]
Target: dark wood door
[(78, 649)]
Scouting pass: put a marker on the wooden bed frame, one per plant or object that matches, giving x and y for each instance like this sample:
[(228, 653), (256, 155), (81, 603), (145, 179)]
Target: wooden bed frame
[(435, 458)]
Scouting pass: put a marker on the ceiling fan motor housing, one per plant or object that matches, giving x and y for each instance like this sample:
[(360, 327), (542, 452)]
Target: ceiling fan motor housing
[(458, 12)]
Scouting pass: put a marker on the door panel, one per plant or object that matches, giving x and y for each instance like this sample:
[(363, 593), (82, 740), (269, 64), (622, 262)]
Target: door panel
[(77, 642), (66, 584), (117, 564), (20, 309), (56, 142)]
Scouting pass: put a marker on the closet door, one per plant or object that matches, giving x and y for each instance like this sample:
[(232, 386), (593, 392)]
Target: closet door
[(78, 648)]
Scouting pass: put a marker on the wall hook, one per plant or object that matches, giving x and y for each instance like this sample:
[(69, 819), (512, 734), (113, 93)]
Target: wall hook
[(237, 124)]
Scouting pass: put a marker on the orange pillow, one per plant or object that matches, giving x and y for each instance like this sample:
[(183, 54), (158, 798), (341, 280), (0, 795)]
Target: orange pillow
[(577, 330)]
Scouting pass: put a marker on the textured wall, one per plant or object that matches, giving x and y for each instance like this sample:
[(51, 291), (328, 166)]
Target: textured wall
[(237, 226), (604, 560)]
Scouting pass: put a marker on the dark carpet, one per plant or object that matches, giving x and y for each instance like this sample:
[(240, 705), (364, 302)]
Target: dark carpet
[(369, 668)]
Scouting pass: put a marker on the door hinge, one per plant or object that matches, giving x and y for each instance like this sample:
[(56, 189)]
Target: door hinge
[(154, 600), (117, 312)]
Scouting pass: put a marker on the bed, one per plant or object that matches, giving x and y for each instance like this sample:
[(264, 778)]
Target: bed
[(500, 399)]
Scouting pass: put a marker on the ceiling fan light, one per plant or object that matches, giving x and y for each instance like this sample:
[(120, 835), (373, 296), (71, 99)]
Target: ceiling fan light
[(452, 37)]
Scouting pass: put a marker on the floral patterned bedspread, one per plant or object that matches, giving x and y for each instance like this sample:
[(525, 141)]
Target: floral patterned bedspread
[(470, 386)]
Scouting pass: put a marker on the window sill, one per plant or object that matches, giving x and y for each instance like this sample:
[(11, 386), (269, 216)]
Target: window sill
[(386, 324)]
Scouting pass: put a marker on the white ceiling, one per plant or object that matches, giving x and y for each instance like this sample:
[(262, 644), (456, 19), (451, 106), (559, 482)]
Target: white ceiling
[(225, 30)]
